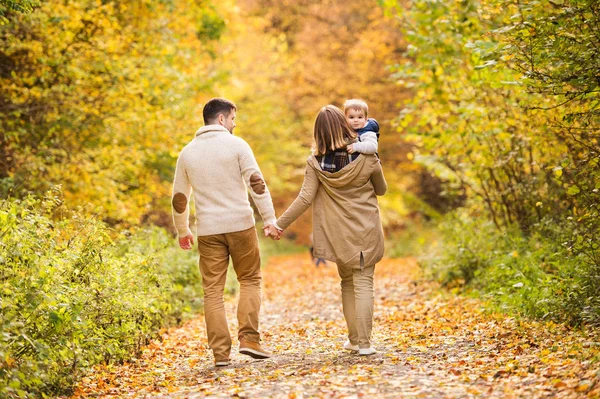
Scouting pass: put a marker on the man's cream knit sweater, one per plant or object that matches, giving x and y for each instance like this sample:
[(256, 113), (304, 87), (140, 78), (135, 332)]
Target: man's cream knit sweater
[(218, 166)]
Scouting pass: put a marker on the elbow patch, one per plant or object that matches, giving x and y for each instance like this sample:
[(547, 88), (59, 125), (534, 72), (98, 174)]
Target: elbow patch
[(257, 184), (180, 202)]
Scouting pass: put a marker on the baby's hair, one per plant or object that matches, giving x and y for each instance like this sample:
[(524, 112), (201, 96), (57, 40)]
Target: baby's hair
[(357, 105)]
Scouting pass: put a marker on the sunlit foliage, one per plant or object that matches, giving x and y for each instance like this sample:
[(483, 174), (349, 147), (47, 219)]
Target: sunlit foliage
[(94, 96), (73, 294), (505, 108)]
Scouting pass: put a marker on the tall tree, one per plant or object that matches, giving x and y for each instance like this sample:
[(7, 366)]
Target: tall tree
[(93, 96)]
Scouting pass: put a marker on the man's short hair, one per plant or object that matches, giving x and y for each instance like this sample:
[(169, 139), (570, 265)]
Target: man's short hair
[(357, 105), (217, 106)]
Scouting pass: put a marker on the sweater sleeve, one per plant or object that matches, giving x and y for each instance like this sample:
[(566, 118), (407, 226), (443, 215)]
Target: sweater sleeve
[(180, 200), (254, 180), (378, 180), (303, 200), (367, 143)]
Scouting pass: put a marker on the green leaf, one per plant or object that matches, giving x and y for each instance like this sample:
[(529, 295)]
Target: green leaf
[(573, 190), (55, 318)]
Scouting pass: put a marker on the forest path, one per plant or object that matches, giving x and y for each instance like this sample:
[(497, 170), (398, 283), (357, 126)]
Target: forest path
[(430, 345)]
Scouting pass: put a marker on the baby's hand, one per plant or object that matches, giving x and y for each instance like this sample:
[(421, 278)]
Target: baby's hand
[(350, 149)]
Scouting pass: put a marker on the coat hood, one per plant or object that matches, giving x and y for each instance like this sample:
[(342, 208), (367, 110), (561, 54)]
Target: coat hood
[(342, 177)]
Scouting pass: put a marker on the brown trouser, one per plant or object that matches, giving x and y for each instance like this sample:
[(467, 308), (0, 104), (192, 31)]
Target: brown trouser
[(215, 251), (357, 302)]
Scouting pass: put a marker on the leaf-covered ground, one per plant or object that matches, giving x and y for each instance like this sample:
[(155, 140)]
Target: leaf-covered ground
[(430, 345)]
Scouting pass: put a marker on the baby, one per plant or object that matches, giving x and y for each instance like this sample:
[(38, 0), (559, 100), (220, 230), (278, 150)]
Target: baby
[(367, 129)]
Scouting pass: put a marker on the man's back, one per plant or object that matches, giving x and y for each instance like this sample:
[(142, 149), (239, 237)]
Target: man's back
[(218, 166)]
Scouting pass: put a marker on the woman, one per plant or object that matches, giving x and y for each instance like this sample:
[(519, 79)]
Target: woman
[(346, 226)]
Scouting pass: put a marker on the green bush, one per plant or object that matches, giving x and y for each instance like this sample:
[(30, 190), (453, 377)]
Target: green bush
[(73, 295), (415, 239), (536, 275)]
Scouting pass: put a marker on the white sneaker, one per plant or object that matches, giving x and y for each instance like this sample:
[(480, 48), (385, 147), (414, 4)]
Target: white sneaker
[(350, 347), (367, 351)]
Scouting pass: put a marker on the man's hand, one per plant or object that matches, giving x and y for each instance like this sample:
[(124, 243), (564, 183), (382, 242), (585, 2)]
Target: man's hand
[(272, 231), (350, 149), (186, 242)]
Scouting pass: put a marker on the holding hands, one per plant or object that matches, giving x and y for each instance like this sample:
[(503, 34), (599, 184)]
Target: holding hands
[(271, 231)]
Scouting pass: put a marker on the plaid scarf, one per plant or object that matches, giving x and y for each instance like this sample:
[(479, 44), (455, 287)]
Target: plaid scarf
[(336, 160)]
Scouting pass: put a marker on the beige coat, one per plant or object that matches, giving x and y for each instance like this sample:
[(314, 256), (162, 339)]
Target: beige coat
[(346, 219)]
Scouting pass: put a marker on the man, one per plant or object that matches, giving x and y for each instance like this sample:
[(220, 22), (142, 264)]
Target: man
[(217, 168)]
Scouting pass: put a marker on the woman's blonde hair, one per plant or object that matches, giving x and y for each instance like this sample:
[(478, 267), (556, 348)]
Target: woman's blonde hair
[(331, 130)]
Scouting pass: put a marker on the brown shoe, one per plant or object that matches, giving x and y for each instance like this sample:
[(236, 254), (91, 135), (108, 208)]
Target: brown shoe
[(253, 349)]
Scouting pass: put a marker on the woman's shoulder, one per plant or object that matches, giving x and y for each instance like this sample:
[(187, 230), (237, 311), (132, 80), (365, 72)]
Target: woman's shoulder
[(312, 161), (371, 161)]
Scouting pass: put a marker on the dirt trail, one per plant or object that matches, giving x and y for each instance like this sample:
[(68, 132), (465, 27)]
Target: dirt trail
[(430, 346)]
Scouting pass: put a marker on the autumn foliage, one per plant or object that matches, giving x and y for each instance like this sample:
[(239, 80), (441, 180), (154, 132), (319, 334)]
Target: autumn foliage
[(505, 111), (74, 294), (489, 141), (429, 345)]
